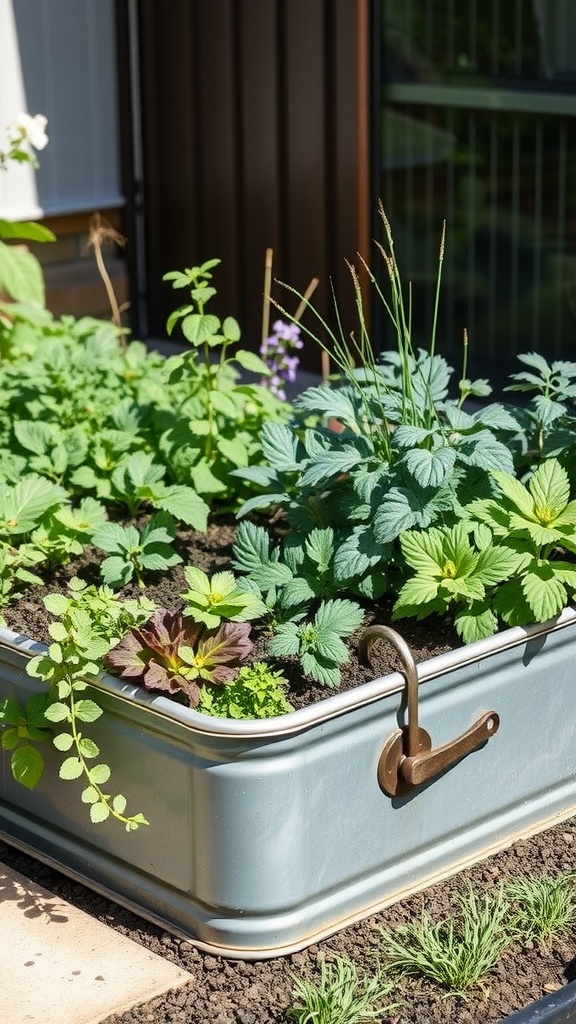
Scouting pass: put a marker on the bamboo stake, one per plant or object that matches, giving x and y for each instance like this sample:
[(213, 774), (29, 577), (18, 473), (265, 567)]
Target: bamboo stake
[(306, 298), (267, 288)]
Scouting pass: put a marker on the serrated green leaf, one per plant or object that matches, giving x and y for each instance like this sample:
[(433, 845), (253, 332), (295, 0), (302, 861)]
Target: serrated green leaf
[(71, 768), (99, 774), (339, 615), (279, 446), (27, 766), (550, 487), (233, 450), (544, 592), (285, 641), (88, 710), (328, 464), (251, 362), (226, 404), (430, 469), (320, 548), (185, 504), (198, 328), (515, 492), (21, 275), (63, 741), (119, 803), (88, 748), (57, 712), (99, 812), (90, 795), (475, 623)]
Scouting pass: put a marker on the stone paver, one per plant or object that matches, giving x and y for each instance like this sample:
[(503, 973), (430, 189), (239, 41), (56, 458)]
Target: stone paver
[(60, 966)]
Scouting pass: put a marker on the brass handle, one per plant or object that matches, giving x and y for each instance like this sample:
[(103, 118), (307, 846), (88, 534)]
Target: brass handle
[(408, 759), (419, 769)]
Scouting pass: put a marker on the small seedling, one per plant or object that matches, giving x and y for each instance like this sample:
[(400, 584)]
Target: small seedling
[(211, 600), (541, 907), (341, 996), (132, 553), (456, 952)]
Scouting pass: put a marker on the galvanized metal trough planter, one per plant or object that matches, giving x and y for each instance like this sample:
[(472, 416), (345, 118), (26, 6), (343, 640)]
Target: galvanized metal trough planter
[(266, 836)]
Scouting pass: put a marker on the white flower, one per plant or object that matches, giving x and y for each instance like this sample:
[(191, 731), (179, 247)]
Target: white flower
[(29, 129)]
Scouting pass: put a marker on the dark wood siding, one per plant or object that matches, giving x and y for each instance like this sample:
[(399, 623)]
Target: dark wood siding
[(254, 117)]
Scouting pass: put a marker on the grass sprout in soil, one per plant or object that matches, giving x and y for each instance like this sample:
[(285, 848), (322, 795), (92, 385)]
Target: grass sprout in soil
[(237, 992)]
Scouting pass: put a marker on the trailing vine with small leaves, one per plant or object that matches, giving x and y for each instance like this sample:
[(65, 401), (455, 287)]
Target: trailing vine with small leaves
[(91, 621)]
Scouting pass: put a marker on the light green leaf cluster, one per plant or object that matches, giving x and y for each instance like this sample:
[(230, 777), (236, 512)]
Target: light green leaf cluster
[(133, 552), (256, 692), (504, 558), (210, 600)]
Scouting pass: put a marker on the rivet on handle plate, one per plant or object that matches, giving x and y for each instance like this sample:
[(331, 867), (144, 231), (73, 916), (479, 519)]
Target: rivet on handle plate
[(408, 759)]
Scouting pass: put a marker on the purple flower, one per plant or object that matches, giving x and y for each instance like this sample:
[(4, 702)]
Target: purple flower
[(275, 353)]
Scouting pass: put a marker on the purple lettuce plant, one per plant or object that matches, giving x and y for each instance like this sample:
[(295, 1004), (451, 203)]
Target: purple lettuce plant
[(276, 353), (172, 654)]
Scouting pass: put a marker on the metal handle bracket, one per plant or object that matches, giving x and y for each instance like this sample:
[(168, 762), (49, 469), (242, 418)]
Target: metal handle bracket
[(408, 759)]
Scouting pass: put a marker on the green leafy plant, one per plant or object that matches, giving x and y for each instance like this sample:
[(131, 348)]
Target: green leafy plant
[(134, 553), (90, 621), (319, 642), (256, 692), (173, 655), (210, 600), (22, 728), (20, 272), (341, 996), (215, 426), (456, 952), (504, 559), (451, 571), (541, 907), (406, 454), (548, 420)]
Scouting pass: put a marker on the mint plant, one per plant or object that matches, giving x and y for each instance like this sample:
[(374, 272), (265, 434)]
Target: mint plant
[(215, 425), (407, 455), (319, 642), (172, 655), (91, 620), (256, 692), (134, 553), (548, 420)]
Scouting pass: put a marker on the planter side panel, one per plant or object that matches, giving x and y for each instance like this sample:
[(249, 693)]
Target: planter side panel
[(257, 845)]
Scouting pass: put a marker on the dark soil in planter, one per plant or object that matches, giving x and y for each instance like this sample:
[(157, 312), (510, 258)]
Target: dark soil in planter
[(212, 551), (232, 992)]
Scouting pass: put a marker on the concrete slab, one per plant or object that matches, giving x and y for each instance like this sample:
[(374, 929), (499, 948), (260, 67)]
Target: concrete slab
[(61, 966)]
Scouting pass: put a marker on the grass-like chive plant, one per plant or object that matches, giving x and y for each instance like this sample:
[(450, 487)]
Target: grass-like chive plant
[(341, 996), (457, 952), (541, 906)]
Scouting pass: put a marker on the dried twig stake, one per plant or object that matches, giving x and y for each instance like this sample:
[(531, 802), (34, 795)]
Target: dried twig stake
[(267, 287), (306, 298), (99, 233)]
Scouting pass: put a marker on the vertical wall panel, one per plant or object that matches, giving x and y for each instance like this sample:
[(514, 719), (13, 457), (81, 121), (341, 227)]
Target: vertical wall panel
[(61, 62), (250, 115)]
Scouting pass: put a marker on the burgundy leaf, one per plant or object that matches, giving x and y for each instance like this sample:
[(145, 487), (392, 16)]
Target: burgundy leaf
[(169, 653)]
